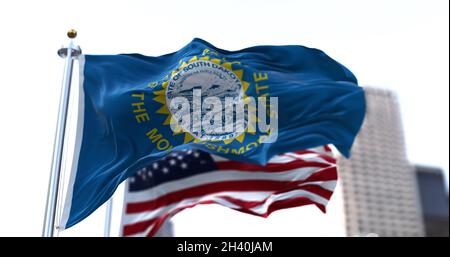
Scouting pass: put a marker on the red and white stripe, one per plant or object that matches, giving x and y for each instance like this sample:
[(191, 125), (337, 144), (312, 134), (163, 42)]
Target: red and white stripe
[(288, 180)]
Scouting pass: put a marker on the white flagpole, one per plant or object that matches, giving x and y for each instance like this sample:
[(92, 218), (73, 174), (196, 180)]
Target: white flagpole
[(108, 217), (69, 53)]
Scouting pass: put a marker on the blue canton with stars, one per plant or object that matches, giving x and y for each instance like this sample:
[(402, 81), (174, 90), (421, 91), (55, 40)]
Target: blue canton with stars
[(175, 166)]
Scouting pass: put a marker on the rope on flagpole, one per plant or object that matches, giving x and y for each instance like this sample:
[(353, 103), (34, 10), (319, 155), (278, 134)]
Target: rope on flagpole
[(69, 53)]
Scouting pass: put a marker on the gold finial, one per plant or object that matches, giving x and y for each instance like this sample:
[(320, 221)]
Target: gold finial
[(72, 33)]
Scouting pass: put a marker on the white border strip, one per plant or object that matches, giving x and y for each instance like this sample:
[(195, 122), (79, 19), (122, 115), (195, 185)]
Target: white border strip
[(78, 138)]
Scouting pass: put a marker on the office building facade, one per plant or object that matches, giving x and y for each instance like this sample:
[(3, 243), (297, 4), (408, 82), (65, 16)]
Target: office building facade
[(379, 185)]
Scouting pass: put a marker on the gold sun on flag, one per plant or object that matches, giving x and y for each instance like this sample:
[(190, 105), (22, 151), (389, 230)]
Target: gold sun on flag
[(160, 97)]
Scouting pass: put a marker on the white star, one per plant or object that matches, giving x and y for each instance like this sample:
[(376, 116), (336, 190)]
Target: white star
[(155, 165), (184, 165), (180, 157), (189, 152), (196, 154), (165, 170), (172, 162), (174, 154), (150, 174), (132, 180)]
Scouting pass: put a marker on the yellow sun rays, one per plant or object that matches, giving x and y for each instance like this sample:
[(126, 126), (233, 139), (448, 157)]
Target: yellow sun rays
[(160, 97)]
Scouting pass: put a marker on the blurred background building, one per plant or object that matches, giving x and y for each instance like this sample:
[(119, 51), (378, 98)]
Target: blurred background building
[(379, 185), (434, 200)]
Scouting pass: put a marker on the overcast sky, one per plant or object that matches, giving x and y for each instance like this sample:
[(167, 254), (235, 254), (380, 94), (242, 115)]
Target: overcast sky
[(397, 44)]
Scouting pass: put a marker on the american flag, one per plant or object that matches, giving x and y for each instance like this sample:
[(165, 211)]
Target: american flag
[(185, 179)]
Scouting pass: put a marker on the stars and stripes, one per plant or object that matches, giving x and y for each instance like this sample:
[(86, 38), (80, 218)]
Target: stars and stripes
[(188, 178)]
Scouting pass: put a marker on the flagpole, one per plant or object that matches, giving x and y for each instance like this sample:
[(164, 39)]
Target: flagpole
[(108, 217), (69, 53)]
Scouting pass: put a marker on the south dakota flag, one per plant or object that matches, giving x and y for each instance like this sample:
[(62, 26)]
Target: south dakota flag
[(130, 104)]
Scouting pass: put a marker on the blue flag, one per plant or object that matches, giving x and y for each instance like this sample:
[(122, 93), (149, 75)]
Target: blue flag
[(135, 109)]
